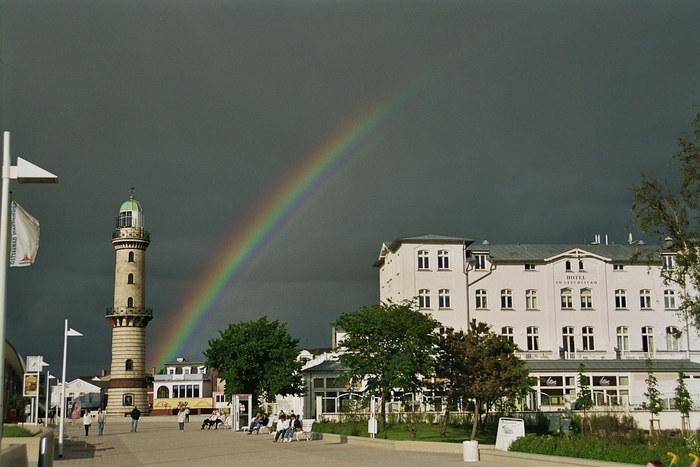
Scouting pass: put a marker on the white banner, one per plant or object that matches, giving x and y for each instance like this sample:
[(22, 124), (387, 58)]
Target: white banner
[(25, 237)]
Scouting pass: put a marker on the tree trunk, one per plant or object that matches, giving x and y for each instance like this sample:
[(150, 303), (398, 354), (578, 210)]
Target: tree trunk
[(476, 419), (443, 430), (382, 414)]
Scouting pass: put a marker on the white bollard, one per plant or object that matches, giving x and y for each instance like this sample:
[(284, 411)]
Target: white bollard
[(470, 450)]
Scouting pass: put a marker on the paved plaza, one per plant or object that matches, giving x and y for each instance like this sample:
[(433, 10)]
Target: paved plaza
[(159, 442)]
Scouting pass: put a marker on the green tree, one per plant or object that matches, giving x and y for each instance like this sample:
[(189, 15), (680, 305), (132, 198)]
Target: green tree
[(672, 213), (257, 357), (584, 399), (684, 403), (479, 365), (653, 395), (389, 347)]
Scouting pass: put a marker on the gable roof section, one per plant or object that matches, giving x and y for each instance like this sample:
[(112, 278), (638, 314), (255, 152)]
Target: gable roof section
[(427, 239)]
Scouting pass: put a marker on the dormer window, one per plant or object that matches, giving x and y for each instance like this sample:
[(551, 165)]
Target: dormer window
[(529, 267), (480, 262), (669, 262)]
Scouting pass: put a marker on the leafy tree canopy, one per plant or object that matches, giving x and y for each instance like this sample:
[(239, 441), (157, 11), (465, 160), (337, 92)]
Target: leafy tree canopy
[(258, 358), (482, 366), (389, 346), (672, 213)]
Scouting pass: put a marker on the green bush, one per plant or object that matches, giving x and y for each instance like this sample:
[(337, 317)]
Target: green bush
[(593, 447), (14, 431)]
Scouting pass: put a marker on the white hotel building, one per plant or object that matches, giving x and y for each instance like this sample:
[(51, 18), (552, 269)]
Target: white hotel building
[(605, 305)]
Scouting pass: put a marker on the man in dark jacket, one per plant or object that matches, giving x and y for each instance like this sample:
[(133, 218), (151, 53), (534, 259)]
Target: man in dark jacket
[(135, 414)]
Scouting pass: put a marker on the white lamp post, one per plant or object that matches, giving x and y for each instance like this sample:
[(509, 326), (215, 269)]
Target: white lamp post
[(49, 377), (23, 172), (68, 332)]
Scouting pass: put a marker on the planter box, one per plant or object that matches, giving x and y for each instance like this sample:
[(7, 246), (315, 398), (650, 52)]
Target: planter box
[(39, 448)]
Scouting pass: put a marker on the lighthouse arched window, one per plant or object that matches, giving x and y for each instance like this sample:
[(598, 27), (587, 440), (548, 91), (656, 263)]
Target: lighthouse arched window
[(130, 302), (129, 365), (131, 256), (130, 279)]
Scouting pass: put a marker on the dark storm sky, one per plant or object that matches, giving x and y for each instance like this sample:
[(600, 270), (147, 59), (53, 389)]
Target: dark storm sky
[(521, 121)]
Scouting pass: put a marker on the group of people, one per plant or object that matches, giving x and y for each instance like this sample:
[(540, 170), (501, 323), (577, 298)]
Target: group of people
[(287, 426), (258, 422), (87, 421)]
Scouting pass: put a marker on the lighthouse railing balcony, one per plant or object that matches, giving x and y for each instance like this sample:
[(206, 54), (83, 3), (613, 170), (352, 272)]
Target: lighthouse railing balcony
[(131, 232), (129, 311)]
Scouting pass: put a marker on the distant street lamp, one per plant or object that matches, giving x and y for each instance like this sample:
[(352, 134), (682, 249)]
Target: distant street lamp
[(49, 377), (23, 172), (68, 332)]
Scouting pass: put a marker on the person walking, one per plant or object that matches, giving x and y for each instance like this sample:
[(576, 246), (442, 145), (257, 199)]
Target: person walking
[(187, 414), (86, 421), (181, 418), (100, 421), (135, 414)]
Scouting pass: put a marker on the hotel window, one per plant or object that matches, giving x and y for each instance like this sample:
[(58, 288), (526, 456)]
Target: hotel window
[(481, 299), (647, 339), (580, 266), (529, 267), (672, 338), (443, 259), (586, 299), (623, 338), (480, 262), (531, 299), (507, 333), (620, 299), (670, 299), (567, 334), (195, 392), (618, 267), (424, 298), (568, 265), (444, 298), (423, 259), (645, 299), (669, 261), (567, 301), (506, 299), (587, 338), (533, 338), (163, 392)]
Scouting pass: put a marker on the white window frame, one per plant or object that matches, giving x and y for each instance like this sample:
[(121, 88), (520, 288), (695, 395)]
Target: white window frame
[(587, 338), (648, 339), (479, 262), (533, 338), (567, 299), (531, 299), (507, 332), (444, 299), (424, 299), (645, 299), (568, 338), (623, 338), (669, 262), (620, 299), (670, 299), (481, 301), (423, 260), (672, 340), (443, 259), (506, 299), (586, 299)]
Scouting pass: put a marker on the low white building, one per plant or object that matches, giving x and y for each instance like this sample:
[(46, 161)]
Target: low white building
[(88, 392), (183, 383)]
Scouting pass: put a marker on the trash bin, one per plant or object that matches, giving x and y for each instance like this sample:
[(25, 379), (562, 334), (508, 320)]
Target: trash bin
[(470, 450)]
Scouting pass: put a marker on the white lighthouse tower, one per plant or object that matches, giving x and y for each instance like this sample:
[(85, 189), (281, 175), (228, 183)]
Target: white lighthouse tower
[(129, 316)]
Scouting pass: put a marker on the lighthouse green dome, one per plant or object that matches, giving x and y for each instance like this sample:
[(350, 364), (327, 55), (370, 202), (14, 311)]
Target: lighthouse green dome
[(131, 205)]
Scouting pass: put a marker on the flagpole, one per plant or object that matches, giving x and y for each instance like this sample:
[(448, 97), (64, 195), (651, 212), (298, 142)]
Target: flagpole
[(3, 267)]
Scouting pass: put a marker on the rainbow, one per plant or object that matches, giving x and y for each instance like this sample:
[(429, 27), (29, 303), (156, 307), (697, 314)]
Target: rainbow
[(277, 209)]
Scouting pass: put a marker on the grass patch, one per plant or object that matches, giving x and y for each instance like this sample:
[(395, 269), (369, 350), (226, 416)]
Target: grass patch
[(14, 431), (401, 432)]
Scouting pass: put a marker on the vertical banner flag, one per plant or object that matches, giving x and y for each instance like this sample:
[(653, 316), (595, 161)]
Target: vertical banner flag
[(24, 237)]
